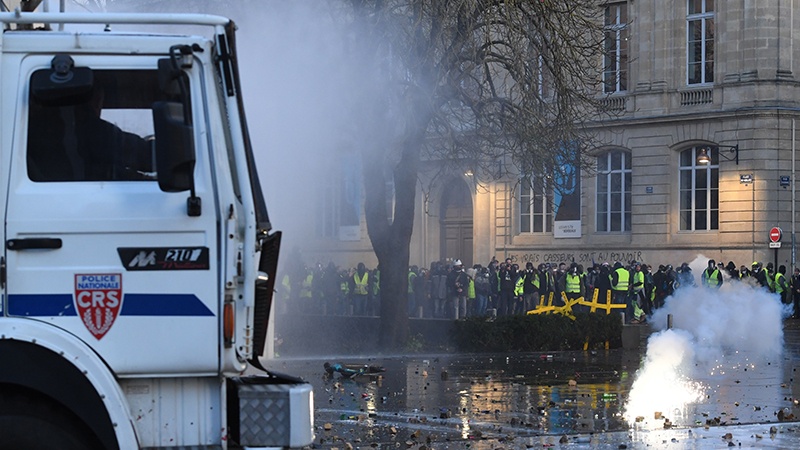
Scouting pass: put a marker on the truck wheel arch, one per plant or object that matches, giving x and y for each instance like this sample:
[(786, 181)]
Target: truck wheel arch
[(56, 365)]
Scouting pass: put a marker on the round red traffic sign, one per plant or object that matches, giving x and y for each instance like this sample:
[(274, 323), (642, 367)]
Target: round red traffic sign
[(775, 234)]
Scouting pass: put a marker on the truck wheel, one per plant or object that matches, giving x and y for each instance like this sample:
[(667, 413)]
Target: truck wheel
[(31, 423)]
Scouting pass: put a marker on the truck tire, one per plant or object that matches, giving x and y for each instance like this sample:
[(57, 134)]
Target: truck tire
[(28, 422)]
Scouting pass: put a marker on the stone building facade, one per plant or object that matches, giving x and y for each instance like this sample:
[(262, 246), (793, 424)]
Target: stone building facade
[(688, 78)]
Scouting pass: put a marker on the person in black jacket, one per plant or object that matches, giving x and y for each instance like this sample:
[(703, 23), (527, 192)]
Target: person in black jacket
[(794, 284), (508, 277), (603, 283), (494, 287), (547, 284), (733, 272), (530, 290), (482, 287), (662, 285)]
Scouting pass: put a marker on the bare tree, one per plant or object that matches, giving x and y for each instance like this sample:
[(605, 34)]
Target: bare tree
[(465, 82)]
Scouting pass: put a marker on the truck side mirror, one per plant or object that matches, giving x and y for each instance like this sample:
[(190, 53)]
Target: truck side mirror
[(172, 123), (62, 85), (175, 157)]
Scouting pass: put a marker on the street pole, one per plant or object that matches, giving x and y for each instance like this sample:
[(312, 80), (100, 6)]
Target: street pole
[(794, 198), (753, 217), (776, 261)]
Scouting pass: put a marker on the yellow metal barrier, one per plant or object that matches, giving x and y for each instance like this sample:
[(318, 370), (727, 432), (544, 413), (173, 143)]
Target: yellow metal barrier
[(568, 304), (566, 310)]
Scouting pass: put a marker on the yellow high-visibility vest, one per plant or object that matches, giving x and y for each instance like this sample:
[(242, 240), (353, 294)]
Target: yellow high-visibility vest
[(360, 284), (573, 284), (622, 281)]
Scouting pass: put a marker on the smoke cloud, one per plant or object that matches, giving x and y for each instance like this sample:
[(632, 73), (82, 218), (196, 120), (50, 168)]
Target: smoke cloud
[(713, 330), (302, 84)]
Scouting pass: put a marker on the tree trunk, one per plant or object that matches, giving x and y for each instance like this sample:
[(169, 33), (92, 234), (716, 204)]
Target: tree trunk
[(391, 240), (394, 297)]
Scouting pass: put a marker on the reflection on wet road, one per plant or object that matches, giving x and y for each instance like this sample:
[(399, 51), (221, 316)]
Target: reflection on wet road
[(535, 400)]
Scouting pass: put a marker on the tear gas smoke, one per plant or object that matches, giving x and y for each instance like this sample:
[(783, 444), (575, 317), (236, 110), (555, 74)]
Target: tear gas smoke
[(714, 329), (300, 86)]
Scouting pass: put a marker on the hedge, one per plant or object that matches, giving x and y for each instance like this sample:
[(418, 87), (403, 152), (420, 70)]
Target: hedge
[(537, 332)]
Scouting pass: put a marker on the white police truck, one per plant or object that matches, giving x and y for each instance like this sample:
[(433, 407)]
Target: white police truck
[(139, 261)]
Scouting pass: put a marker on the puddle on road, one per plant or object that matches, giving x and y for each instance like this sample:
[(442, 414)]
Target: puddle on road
[(528, 399)]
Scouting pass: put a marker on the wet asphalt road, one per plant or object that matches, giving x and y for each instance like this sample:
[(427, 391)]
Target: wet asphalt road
[(559, 399)]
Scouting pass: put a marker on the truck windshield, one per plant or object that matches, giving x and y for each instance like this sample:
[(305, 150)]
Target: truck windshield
[(106, 138)]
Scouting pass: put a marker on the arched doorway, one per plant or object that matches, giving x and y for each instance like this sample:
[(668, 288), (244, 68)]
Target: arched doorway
[(456, 222)]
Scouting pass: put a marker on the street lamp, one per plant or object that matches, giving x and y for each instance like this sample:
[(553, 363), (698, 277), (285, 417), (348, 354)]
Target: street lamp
[(705, 153)]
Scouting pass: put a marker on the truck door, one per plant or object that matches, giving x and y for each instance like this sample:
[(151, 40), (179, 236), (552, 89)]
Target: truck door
[(94, 247)]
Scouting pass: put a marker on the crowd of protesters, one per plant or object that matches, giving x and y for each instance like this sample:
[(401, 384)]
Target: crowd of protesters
[(448, 290)]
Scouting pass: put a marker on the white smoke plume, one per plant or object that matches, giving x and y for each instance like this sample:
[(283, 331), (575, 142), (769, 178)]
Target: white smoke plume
[(713, 329)]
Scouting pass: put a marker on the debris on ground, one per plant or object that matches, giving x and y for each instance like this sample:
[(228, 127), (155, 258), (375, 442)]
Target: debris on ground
[(352, 370)]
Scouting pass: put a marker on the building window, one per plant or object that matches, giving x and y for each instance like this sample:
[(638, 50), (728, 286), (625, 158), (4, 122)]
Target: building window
[(97, 138), (615, 55), (700, 41), (327, 211), (699, 192), (614, 191), (536, 205), (340, 200)]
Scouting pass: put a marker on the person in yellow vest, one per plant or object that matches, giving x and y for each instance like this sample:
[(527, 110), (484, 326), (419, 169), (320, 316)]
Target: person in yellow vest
[(412, 302), (375, 293), (344, 293), (711, 277), (771, 277), (519, 289), (573, 285), (359, 289), (636, 299), (471, 273), (286, 293), (760, 274), (781, 286), (620, 284), (306, 293)]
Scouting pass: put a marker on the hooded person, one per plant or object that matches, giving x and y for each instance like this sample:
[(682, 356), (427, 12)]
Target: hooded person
[(508, 277), (602, 283), (662, 285), (712, 275), (771, 276), (781, 285), (733, 272), (572, 284), (761, 276), (685, 276), (530, 288)]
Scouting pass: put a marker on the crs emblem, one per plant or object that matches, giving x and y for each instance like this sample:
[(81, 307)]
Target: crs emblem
[(98, 299)]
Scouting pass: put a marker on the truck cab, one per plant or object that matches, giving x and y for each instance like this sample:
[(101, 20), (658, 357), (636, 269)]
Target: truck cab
[(139, 260)]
